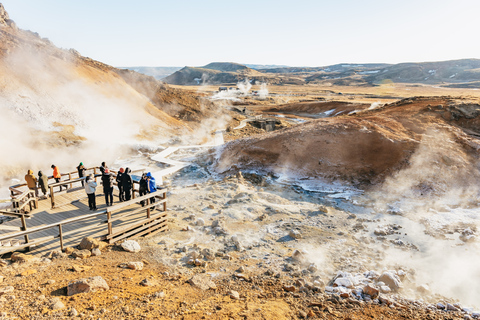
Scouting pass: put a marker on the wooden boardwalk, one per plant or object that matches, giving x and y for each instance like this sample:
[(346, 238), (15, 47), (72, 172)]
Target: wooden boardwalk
[(71, 204)]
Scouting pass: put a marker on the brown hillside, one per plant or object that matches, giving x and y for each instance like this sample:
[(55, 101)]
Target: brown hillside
[(365, 148)]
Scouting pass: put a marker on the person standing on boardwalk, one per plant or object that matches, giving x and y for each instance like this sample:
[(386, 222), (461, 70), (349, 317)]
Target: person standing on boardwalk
[(103, 167), (90, 186), (31, 182), (152, 187), (57, 176), (121, 193), (43, 182), (143, 188), (107, 181), (81, 172), (127, 184)]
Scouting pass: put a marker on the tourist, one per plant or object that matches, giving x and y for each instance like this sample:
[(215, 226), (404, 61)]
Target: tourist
[(143, 188), (107, 181), (103, 167), (81, 172), (31, 182), (127, 184), (43, 182), (152, 187), (57, 176), (90, 186), (121, 193)]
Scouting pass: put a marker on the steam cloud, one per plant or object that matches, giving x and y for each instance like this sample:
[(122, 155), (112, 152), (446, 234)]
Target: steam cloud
[(42, 94)]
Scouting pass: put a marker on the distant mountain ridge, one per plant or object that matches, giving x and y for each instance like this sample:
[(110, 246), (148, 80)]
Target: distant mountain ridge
[(452, 73)]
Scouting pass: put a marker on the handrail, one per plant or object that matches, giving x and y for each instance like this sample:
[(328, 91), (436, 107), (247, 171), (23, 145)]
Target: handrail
[(69, 174), (108, 211), (14, 214)]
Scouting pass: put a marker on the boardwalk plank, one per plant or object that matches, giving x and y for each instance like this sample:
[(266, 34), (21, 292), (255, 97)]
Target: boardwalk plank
[(71, 204)]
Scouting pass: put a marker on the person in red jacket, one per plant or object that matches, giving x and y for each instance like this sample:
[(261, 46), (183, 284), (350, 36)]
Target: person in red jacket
[(56, 175)]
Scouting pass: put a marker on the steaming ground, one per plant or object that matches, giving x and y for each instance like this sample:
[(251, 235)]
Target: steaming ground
[(254, 218)]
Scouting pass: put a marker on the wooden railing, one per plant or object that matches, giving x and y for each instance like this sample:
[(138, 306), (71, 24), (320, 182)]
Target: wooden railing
[(73, 178), (152, 223), (19, 202)]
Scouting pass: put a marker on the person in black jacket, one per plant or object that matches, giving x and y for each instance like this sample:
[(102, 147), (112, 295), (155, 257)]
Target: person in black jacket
[(107, 181), (121, 193), (103, 167), (127, 184), (81, 172)]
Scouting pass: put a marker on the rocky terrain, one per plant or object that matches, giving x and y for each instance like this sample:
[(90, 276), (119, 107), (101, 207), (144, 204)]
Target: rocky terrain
[(238, 247)]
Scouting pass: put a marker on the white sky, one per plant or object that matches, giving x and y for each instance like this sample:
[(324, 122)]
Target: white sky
[(295, 33)]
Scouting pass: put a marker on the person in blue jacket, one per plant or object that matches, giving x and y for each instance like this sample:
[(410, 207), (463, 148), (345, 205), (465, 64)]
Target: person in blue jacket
[(152, 187)]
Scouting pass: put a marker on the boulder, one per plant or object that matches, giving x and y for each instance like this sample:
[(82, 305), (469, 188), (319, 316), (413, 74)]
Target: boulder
[(390, 279), (233, 294), (82, 254), (298, 255), (21, 257), (148, 282), (56, 304), (96, 252), (89, 243), (289, 288), (131, 246), (78, 268), (371, 291), (295, 234), (344, 282), (202, 281), (385, 289), (424, 288), (86, 285), (69, 250), (136, 265), (7, 289)]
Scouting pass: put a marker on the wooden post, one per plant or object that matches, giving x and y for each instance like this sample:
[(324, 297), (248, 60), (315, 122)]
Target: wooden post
[(24, 227), (95, 173), (70, 178), (61, 236), (52, 197), (109, 216), (29, 200), (148, 210), (165, 203)]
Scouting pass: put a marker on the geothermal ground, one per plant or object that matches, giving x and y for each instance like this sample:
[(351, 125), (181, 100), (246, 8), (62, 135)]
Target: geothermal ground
[(247, 247)]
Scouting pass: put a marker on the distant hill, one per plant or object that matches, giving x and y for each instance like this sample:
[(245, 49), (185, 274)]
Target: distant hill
[(463, 73), (214, 73), (157, 72)]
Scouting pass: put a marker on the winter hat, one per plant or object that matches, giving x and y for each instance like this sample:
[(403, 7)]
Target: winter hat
[(122, 170)]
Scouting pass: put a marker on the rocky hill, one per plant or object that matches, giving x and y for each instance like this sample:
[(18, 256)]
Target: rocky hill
[(215, 73), (455, 73)]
